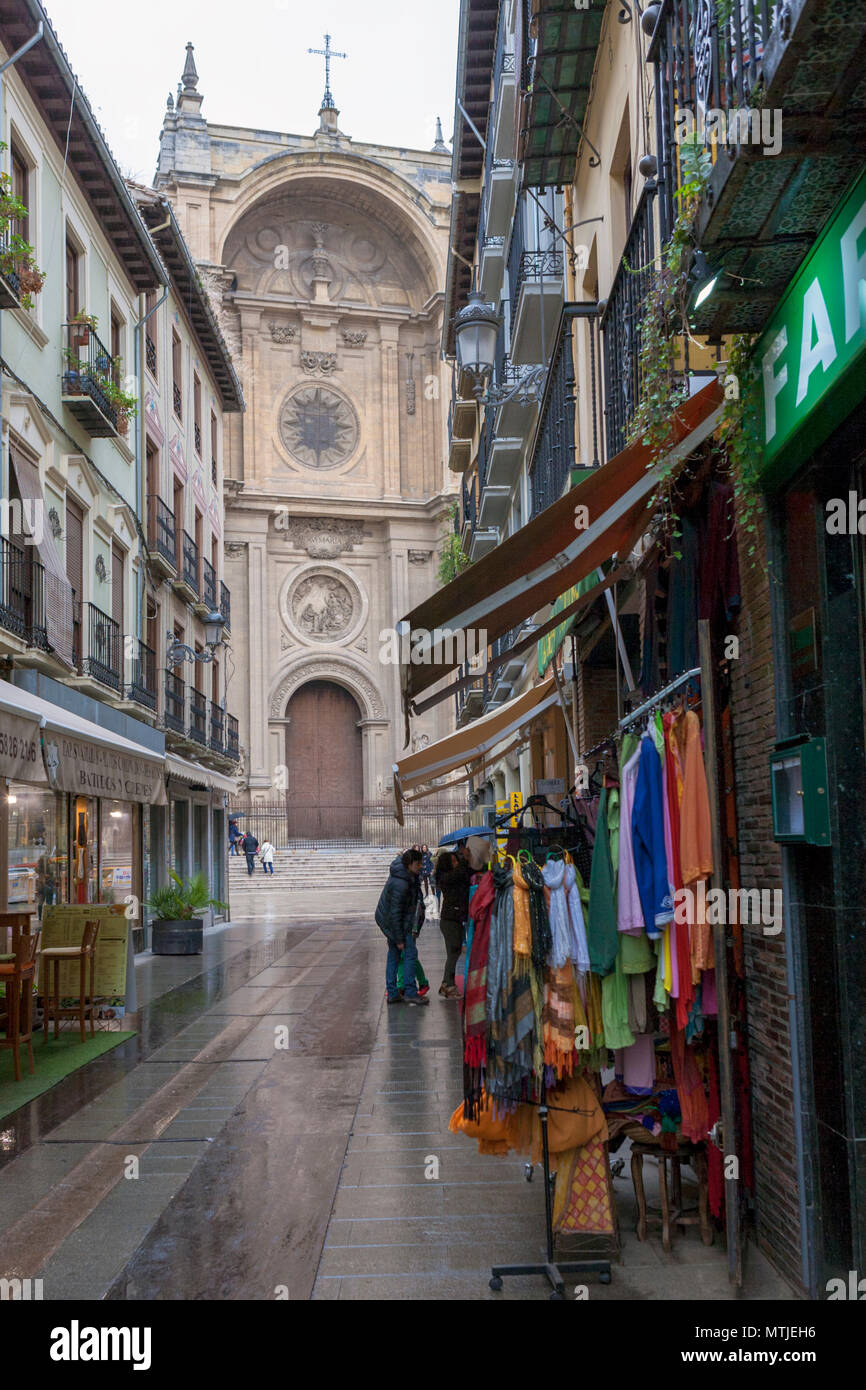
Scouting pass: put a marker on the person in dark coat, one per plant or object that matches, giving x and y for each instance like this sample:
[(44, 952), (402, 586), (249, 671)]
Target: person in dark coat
[(426, 871), (453, 877), (249, 845), (234, 837), (399, 914)]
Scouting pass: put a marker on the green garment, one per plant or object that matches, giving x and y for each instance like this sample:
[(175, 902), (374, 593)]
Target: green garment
[(614, 1007), (658, 734), (602, 935), (613, 827), (638, 955), (661, 998), (420, 978)]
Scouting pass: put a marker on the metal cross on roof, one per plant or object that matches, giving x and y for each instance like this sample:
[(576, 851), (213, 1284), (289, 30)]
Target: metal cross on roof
[(327, 53)]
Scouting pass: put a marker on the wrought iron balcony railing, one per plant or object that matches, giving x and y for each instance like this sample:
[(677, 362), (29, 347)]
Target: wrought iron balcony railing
[(553, 449), (217, 738), (161, 529), (196, 434), (226, 605), (150, 355), (198, 716), (22, 594), (88, 380), (232, 744), (208, 583), (177, 400), (141, 674), (621, 325), (189, 561), (103, 659), (174, 708), (535, 266)]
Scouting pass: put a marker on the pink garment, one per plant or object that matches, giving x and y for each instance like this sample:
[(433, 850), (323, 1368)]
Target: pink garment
[(669, 857), (629, 916), (709, 1001), (636, 1065)]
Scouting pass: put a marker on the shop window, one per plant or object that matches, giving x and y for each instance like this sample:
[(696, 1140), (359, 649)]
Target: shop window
[(116, 851), (85, 857), (38, 857)]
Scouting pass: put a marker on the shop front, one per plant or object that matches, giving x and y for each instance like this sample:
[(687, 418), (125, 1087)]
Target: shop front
[(812, 362), (191, 832), (75, 803)]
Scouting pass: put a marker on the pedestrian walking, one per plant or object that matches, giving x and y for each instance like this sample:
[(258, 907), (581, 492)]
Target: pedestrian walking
[(399, 914), (426, 871), (249, 845), (235, 837), (266, 854), (453, 877)]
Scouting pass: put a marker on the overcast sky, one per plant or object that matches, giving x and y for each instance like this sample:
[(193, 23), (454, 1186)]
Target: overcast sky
[(254, 69)]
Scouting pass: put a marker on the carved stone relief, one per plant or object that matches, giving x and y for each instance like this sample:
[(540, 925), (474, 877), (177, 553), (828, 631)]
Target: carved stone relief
[(282, 332), (318, 427), (343, 671), (322, 607), (324, 537)]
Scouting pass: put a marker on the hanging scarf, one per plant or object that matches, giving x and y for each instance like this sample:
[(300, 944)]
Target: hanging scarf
[(475, 997), (690, 1088), (499, 964), (553, 874), (542, 941), (579, 952), (558, 1020), (522, 923)]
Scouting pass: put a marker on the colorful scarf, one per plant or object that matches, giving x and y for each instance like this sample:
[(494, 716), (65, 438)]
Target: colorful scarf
[(558, 1020), (522, 923), (553, 874), (542, 940), (475, 996)]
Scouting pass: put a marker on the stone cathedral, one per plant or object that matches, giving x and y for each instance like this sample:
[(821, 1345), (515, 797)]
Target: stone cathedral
[(326, 264)]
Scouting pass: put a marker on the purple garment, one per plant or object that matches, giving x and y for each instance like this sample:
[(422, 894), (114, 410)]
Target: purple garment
[(635, 1065), (648, 841), (629, 912), (709, 1001)]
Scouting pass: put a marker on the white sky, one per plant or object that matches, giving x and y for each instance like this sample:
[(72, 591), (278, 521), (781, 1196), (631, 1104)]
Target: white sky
[(254, 69)]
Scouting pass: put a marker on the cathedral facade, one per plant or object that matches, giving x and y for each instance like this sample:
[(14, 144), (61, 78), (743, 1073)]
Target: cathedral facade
[(325, 261)]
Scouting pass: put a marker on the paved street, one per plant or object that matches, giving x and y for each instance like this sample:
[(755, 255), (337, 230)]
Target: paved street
[(299, 1172)]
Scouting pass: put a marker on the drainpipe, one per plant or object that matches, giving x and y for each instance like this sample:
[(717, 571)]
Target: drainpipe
[(25, 48)]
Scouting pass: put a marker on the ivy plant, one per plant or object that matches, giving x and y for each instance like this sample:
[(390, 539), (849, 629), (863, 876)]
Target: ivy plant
[(453, 559)]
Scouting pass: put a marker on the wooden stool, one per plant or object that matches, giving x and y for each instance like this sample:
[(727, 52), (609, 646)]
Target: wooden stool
[(671, 1212), (18, 976), (51, 998)]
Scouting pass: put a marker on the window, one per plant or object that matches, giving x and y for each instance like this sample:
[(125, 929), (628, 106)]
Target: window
[(196, 413), (177, 376), (199, 548), (21, 189), (73, 276), (117, 344), (118, 560), (178, 523), (152, 468), (213, 448), (75, 570), (150, 353)]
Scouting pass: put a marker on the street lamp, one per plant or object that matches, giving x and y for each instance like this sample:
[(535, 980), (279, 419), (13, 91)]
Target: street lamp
[(178, 652), (476, 329)]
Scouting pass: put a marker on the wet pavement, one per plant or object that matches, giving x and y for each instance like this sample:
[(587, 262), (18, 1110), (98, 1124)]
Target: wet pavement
[(275, 1130)]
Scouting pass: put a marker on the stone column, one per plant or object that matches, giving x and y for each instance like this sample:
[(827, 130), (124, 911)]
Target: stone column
[(390, 370), (377, 768), (259, 774)]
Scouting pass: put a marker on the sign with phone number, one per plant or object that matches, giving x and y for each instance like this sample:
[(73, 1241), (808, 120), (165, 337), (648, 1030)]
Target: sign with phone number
[(20, 752)]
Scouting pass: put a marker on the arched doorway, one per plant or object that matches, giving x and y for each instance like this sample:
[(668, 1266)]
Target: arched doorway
[(324, 758)]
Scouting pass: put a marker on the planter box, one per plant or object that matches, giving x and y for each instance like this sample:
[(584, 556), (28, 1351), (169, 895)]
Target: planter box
[(176, 938)]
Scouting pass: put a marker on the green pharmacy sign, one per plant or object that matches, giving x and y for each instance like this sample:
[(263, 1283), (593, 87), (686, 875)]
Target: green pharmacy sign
[(810, 357)]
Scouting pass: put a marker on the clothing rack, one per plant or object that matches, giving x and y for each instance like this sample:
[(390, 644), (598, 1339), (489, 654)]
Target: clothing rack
[(661, 695), (552, 1271)]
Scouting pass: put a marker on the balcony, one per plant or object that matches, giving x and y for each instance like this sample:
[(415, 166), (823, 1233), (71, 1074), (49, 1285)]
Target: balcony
[(504, 94), (226, 606), (217, 731), (161, 537), (208, 593), (537, 298), (141, 675), (22, 595), (198, 724), (101, 658), (469, 701), (621, 325), (552, 456), (761, 212), (10, 283), (87, 381), (186, 582), (492, 267), (174, 708), (500, 189), (492, 497), (232, 745)]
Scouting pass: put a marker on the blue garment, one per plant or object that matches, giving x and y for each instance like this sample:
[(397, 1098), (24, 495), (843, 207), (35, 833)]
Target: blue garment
[(648, 841), (409, 957)]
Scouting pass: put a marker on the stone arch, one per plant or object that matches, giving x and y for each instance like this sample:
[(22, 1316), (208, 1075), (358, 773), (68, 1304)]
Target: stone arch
[(340, 669)]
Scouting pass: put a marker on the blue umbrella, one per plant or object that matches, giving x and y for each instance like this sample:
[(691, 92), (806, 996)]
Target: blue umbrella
[(464, 834)]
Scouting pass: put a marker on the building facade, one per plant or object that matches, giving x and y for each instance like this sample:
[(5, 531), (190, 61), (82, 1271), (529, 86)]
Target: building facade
[(326, 261)]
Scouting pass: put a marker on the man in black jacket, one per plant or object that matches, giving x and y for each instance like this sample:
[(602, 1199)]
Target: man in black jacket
[(454, 877), (250, 845), (399, 915)]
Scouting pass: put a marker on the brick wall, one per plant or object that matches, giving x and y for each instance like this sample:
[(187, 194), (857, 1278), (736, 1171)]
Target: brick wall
[(754, 725), (596, 707)]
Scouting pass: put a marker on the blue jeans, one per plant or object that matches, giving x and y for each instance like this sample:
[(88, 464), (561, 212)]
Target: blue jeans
[(268, 867), (409, 956)]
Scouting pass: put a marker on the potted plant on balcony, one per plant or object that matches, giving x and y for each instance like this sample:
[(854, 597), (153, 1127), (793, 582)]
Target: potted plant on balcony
[(176, 930), (123, 402), (84, 322), (17, 259)]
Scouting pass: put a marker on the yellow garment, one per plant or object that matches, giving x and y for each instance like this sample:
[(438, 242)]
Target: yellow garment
[(491, 1134), (522, 924), (575, 1116)]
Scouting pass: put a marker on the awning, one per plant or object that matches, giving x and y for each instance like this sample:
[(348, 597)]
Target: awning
[(83, 758), (466, 746), (548, 555), (185, 770)]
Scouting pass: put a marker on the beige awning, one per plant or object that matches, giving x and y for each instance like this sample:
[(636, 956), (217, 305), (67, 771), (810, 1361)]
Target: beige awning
[(197, 774)]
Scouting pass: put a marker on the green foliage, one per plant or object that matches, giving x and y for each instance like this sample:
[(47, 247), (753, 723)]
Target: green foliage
[(453, 559), (16, 255), (182, 898)]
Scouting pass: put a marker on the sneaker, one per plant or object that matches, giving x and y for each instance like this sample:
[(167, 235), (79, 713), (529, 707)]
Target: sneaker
[(423, 990), (414, 999), (449, 991), (395, 999)]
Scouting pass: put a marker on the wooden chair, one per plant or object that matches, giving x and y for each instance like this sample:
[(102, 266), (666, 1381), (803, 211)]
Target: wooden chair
[(57, 955), (12, 925), (18, 976)]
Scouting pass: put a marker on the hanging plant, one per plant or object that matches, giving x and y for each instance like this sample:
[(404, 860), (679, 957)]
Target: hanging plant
[(453, 559), (17, 257)]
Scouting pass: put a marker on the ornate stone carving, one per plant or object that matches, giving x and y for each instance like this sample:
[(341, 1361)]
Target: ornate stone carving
[(335, 668), (236, 547), (354, 339), (101, 571), (410, 384), (324, 362), (233, 486), (318, 427), (285, 642), (419, 557), (282, 332), (322, 607), (324, 537), (55, 523)]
